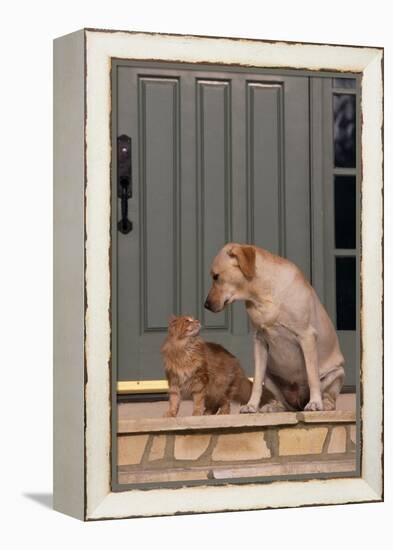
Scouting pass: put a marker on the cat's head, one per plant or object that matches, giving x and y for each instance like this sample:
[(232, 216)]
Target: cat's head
[(183, 326)]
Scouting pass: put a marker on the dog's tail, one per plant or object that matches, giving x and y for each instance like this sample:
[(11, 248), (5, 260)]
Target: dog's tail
[(243, 389)]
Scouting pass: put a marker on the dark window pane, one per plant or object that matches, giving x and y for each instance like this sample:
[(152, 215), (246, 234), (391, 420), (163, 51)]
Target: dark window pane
[(349, 83), (346, 293), (344, 110), (345, 211)]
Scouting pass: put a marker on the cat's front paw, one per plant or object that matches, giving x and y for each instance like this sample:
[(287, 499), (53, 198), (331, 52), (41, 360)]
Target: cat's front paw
[(314, 405), (249, 408)]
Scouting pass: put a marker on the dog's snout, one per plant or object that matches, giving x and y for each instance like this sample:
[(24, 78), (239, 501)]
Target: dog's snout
[(207, 304)]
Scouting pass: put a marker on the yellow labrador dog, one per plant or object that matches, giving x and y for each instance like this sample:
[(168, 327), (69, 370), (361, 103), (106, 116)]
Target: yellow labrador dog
[(296, 351)]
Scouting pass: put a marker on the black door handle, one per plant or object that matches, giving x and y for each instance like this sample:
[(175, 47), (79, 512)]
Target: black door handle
[(124, 225), (124, 181)]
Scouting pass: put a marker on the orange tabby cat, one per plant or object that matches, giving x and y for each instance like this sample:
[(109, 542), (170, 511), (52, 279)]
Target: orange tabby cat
[(205, 371)]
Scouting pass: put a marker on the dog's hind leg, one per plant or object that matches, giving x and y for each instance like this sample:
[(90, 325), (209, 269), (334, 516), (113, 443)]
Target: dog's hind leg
[(211, 406), (225, 408), (211, 411), (331, 386), (273, 399), (273, 406)]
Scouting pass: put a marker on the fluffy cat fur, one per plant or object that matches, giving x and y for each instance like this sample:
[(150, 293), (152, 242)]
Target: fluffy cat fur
[(203, 371)]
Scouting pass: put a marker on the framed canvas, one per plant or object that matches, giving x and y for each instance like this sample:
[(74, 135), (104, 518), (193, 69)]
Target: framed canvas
[(193, 174)]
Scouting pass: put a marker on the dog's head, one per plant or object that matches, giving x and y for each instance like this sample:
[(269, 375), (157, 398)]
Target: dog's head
[(232, 270)]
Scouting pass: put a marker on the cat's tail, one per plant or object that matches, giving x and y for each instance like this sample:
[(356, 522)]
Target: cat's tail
[(243, 390)]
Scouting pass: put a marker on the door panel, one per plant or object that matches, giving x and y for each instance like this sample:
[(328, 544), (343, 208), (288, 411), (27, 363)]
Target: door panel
[(159, 216), (278, 168), (265, 145), (214, 185), (297, 173), (214, 160)]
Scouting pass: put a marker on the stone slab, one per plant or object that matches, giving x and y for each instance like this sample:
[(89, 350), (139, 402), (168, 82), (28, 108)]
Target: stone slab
[(148, 425), (287, 468), (326, 416), (130, 449), (338, 440), (162, 476), (191, 447), (352, 434), (301, 441), (157, 450), (241, 446)]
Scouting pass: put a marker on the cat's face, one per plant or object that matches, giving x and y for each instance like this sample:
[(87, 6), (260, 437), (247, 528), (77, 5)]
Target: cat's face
[(183, 326)]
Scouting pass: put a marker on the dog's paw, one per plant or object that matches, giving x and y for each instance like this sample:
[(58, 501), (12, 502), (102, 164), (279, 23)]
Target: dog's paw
[(249, 408), (314, 405), (169, 414)]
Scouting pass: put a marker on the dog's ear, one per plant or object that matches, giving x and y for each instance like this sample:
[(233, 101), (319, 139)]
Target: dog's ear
[(245, 256)]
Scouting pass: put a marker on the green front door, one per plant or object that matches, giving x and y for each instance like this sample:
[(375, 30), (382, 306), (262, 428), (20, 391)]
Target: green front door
[(218, 156)]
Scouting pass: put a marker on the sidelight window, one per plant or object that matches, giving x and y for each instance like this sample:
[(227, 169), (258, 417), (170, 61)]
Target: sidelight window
[(344, 173)]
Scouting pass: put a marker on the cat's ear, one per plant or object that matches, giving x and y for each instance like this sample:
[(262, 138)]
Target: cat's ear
[(171, 320), (245, 256)]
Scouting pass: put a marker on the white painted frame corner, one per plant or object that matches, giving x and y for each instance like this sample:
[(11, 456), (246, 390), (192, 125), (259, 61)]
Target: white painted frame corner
[(101, 47)]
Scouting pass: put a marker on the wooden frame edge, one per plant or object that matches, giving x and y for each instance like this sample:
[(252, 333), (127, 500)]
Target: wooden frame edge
[(101, 503)]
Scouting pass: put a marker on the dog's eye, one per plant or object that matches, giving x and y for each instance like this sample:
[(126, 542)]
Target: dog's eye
[(215, 277)]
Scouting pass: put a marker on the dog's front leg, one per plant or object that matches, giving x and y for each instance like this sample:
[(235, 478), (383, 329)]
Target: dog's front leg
[(260, 359), (308, 343)]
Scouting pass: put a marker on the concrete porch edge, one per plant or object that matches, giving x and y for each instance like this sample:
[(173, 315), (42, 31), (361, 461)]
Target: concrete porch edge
[(149, 425)]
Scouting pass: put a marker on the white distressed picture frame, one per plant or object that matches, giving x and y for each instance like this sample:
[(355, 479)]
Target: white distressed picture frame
[(82, 381)]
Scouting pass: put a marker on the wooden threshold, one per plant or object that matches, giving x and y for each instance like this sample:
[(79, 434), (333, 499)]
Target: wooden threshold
[(143, 386)]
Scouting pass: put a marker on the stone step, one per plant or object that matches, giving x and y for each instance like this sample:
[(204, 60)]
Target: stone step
[(236, 446), (128, 475), (181, 423), (156, 409)]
